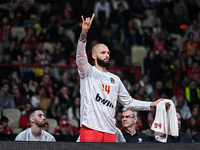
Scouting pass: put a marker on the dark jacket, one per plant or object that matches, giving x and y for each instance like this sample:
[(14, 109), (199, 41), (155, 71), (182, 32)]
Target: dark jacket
[(138, 137), (183, 138)]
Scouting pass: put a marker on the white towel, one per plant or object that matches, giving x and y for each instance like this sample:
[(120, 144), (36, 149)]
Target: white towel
[(165, 122)]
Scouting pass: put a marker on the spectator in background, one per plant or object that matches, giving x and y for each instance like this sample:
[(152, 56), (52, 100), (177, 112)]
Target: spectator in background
[(6, 99), (74, 111), (186, 60), (58, 53), (144, 82), (46, 127), (193, 9), (25, 90), (182, 20), (118, 117), (194, 72), (68, 15), (35, 133), (180, 4), (130, 133), (118, 19), (23, 120), (64, 121), (49, 70), (159, 89), (137, 9), (54, 110), (116, 4), (195, 134), (5, 70), (31, 38), (168, 21), (182, 105), (182, 138), (156, 28), (151, 117), (148, 62), (127, 85), (195, 114), (194, 29), (20, 100), (102, 12), (131, 36), (6, 129), (179, 76), (5, 32), (65, 40), (151, 19), (42, 56), (191, 47), (160, 67), (25, 9), (64, 81), (65, 99), (46, 15), (40, 99), (1, 129), (25, 72), (25, 52), (14, 53), (192, 94), (65, 129), (14, 77), (193, 124), (48, 84), (141, 94), (52, 28)]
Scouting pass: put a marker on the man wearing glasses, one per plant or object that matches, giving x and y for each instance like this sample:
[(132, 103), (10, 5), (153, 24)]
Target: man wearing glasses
[(130, 133)]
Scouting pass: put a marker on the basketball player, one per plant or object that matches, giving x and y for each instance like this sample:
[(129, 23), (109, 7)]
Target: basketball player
[(100, 91), (35, 133)]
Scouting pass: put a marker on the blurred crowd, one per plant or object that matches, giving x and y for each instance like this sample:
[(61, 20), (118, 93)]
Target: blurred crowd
[(169, 30)]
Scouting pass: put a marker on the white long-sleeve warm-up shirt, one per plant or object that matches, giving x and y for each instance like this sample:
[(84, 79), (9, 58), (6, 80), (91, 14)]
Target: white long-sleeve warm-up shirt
[(99, 94)]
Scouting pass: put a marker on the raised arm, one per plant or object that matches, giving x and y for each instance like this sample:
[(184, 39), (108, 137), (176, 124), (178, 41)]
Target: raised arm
[(85, 27), (81, 56)]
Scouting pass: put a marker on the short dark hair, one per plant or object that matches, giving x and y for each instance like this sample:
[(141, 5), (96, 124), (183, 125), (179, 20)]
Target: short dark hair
[(31, 111), (4, 83), (4, 118)]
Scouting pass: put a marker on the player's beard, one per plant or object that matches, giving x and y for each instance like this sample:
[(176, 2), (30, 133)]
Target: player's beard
[(102, 63), (39, 124)]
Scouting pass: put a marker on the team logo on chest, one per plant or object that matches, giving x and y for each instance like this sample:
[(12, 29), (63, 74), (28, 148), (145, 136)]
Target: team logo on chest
[(112, 80)]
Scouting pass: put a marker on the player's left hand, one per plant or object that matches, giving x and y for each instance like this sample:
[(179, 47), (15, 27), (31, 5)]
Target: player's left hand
[(154, 104)]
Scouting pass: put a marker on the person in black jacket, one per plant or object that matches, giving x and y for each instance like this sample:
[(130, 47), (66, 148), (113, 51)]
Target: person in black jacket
[(130, 133), (182, 138)]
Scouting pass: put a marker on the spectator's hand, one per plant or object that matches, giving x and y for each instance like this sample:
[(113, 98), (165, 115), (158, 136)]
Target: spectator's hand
[(87, 23)]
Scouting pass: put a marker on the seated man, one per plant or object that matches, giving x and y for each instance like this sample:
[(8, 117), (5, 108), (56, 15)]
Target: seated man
[(130, 133), (182, 138), (35, 133)]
